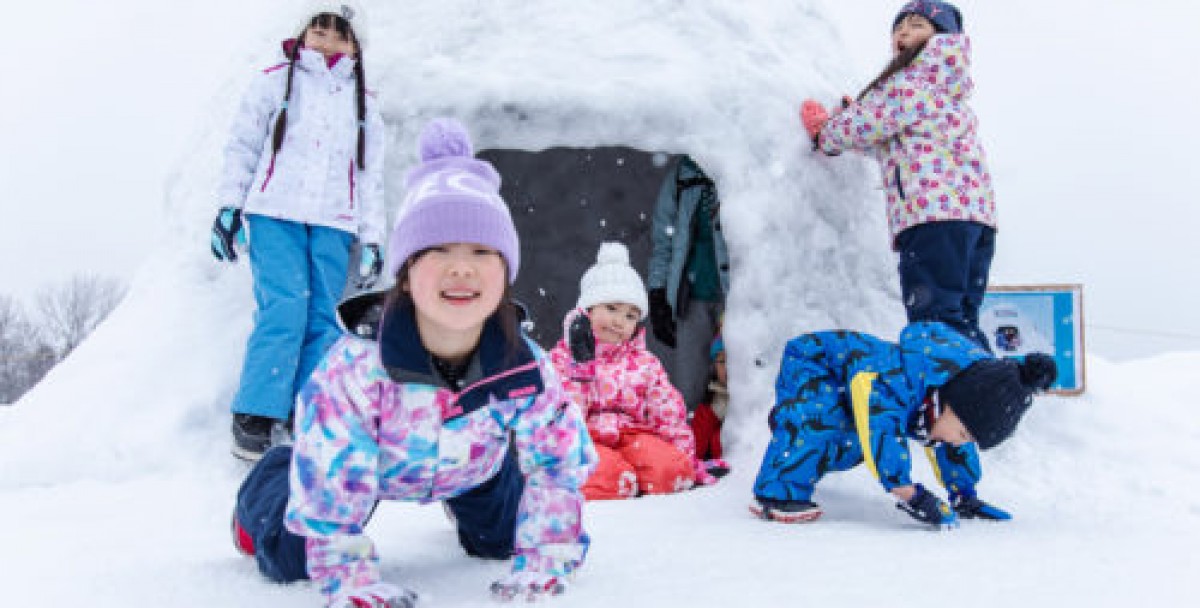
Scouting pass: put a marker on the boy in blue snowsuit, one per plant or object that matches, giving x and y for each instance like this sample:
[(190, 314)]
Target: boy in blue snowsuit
[(846, 397)]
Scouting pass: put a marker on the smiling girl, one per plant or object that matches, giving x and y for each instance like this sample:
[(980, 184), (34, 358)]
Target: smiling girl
[(635, 415), (452, 404)]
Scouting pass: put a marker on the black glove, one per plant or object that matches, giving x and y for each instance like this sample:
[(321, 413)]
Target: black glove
[(927, 508), (227, 231), (581, 339), (662, 319)]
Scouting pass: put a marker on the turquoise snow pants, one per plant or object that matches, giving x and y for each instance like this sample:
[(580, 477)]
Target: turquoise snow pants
[(299, 274)]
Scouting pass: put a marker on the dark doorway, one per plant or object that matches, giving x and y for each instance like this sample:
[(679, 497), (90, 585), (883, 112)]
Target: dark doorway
[(565, 202)]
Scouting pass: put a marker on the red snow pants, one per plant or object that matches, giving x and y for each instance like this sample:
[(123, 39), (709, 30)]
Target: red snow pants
[(707, 429), (641, 463)]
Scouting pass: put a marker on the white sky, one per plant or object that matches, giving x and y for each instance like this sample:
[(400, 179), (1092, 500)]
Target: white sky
[(1077, 101)]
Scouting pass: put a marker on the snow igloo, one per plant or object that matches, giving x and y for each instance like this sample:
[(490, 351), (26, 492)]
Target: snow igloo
[(607, 94)]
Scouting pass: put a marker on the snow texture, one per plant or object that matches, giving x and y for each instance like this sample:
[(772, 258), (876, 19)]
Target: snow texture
[(118, 484)]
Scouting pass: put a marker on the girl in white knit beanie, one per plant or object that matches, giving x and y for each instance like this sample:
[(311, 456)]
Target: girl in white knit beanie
[(635, 416)]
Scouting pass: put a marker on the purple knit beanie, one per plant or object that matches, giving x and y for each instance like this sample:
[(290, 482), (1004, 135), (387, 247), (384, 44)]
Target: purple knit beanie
[(452, 198), (945, 17)]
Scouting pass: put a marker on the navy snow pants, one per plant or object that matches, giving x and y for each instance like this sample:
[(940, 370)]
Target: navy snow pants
[(944, 270), (486, 515)]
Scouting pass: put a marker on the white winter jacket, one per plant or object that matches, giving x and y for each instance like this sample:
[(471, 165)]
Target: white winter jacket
[(314, 179)]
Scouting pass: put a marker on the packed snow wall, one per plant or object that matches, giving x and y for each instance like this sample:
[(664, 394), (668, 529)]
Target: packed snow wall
[(716, 80)]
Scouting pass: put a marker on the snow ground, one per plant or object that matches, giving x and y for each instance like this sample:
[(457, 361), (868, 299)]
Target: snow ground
[(1107, 514)]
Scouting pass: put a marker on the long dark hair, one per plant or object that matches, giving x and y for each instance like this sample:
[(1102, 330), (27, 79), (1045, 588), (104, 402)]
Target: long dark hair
[(326, 20), (506, 312), (898, 63)]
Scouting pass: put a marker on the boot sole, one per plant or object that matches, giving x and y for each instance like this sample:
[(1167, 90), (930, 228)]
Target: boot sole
[(245, 455), (785, 517)]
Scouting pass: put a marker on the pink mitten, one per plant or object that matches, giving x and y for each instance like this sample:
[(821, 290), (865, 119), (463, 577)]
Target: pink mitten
[(814, 116)]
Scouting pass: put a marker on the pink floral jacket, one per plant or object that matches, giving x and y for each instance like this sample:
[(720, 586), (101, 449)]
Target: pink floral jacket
[(625, 389), (925, 137)]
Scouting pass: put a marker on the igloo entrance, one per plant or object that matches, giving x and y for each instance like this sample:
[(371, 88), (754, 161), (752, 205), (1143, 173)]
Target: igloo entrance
[(565, 202)]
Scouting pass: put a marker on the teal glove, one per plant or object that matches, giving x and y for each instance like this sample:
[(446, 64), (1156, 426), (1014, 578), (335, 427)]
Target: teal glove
[(228, 234), (370, 264)]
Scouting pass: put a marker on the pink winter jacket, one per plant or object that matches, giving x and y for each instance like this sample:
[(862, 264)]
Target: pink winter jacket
[(925, 137), (625, 389)]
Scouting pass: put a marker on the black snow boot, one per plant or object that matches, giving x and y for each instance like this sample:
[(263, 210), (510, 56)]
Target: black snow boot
[(254, 435)]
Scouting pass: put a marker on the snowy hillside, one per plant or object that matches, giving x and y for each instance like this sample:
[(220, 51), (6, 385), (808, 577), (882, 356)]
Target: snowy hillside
[(117, 483)]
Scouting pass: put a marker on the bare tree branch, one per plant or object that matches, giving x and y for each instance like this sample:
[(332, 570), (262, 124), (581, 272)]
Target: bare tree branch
[(24, 356), (71, 310)]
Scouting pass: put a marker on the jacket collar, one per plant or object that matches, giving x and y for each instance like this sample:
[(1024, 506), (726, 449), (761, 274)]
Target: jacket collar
[(314, 62), (492, 373), (623, 350)]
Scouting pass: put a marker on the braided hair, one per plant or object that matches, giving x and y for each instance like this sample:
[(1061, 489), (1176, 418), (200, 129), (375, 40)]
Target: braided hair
[(897, 64), (336, 22)]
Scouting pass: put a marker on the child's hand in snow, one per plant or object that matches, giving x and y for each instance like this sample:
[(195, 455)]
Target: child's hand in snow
[(527, 586), (378, 595)]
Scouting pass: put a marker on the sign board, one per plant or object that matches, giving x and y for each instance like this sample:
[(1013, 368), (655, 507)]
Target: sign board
[(1019, 320)]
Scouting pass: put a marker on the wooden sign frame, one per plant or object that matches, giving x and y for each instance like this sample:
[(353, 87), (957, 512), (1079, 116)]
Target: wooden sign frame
[(1019, 319)]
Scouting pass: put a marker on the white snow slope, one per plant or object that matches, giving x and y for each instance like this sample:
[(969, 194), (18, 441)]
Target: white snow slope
[(117, 483)]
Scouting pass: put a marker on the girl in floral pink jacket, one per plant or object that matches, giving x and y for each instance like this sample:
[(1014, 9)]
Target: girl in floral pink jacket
[(635, 416), (452, 404), (914, 119)]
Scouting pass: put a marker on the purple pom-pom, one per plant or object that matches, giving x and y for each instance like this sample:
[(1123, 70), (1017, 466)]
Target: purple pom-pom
[(445, 137)]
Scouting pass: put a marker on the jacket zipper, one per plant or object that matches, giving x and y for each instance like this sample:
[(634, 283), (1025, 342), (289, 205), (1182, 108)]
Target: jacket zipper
[(270, 172)]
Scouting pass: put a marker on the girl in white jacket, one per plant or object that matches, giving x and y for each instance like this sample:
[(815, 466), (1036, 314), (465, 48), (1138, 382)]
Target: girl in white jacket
[(303, 177)]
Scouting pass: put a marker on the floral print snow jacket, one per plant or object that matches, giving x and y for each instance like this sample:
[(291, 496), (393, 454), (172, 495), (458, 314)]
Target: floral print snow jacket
[(925, 137), (624, 389), (376, 422)]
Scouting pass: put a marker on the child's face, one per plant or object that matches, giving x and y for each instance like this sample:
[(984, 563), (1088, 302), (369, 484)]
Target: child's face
[(456, 287), (719, 369), (912, 31), (327, 41), (614, 322), (948, 428)]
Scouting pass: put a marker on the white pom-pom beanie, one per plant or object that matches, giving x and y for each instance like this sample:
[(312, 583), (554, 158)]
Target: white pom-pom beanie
[(612, 279)]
